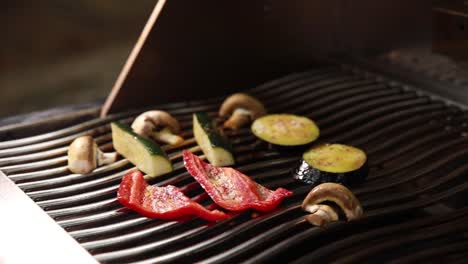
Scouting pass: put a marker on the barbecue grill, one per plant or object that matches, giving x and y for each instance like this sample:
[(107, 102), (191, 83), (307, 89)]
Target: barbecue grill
[(411, 125)]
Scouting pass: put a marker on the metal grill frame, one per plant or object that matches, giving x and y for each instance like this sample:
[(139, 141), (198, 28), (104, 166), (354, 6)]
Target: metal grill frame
[(351, 106)]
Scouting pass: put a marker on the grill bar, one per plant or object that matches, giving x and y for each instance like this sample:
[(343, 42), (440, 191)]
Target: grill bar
[(394, 240), (416, 146)]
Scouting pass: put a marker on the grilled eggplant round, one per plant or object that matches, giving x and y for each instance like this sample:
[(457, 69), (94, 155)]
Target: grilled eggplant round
[(285, 129), (332, 163)]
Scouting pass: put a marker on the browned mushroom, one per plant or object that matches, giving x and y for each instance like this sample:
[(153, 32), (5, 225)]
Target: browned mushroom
[(159, 125), (241, 109), (336, 193), (84, 155)]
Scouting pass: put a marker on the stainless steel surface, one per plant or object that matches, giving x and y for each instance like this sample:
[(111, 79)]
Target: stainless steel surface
[(417, 149), (28, 235), (258, 40)]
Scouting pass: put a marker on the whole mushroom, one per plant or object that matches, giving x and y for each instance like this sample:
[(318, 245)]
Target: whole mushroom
[(158, 125), (241, 109), (337, 193), (84, 155)]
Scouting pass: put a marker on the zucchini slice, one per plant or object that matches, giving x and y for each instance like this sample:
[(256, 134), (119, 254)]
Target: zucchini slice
[(145, 154), (332, 163), (285, 129), (216, 148)]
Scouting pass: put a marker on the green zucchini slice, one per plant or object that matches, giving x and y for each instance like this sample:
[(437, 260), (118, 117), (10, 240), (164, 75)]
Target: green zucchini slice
[(332, 163), (216, 148), (145, 154), (285, 129)]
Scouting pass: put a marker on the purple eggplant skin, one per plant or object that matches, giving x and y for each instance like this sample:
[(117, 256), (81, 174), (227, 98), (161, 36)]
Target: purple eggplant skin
[(306, 173)]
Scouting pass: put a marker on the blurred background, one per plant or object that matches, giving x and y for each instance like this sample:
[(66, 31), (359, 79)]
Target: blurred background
[(55, 53)]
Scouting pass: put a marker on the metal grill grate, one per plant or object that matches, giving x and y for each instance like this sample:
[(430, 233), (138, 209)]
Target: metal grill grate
[(413, 199)]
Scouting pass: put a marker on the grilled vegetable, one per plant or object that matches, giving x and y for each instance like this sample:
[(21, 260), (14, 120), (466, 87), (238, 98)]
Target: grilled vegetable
[(217, 148), (159, 125), (336, 193), (241, 109), (231, 189), (332, 163), (160, 202), (84, 155), (285, 129), (145, 154)]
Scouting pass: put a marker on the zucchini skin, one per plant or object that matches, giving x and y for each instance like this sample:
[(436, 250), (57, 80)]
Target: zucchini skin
[(308, 174), (216, 139), (149, 145)]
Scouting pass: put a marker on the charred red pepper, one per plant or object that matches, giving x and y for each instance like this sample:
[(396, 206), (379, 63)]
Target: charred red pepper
[(160, 202), (231, 189)]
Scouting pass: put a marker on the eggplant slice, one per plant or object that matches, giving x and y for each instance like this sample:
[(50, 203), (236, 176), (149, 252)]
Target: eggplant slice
[(285, 129), (332, 163)]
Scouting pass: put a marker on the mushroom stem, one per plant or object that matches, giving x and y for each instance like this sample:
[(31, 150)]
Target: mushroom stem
[(105, 158), (321, 214), (165, 135), (316, 220), (239, 118)]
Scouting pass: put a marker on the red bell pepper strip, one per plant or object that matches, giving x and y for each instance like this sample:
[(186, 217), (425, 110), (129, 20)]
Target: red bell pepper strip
[(230, 188), (160, 202)]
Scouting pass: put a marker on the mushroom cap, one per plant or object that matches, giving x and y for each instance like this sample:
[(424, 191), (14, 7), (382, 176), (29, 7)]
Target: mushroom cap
[(243, 101), (336, 193), (82, 155), (148, 121)]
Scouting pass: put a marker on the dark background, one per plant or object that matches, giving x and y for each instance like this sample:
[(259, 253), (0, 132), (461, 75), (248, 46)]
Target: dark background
[(55, 52)]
